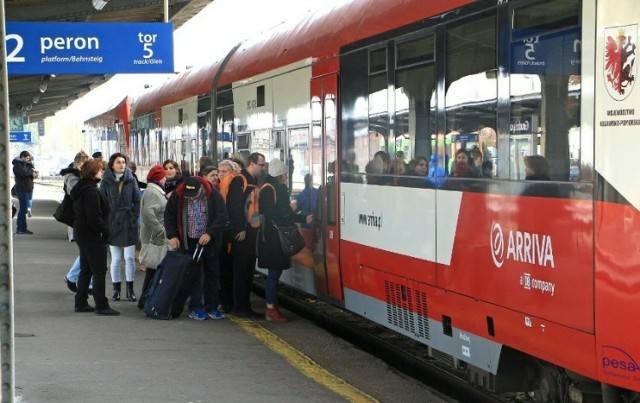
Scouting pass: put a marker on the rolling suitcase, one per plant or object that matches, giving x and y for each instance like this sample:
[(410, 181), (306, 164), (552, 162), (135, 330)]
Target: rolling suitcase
[(171, 285)]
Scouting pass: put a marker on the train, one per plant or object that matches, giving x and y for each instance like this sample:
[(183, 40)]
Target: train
[(523, 286)]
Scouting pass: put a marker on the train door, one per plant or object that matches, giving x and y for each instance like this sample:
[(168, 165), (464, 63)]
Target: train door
[(326, 234)]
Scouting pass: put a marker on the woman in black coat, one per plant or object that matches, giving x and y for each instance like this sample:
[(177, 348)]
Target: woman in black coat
[(91, 233), (275, 207)]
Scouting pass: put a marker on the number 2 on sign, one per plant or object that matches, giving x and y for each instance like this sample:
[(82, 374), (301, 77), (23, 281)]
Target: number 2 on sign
[(13, 56)]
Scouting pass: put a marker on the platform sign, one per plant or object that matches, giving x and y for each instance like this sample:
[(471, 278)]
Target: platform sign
[(20, 137), (89, 48)]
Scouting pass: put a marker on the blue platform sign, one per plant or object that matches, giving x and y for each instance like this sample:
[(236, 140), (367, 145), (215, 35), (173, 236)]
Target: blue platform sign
[(20, 137), (89, 48)]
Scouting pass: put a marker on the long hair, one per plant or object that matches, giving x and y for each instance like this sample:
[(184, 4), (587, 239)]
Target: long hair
[(114, 157), (172, 162)]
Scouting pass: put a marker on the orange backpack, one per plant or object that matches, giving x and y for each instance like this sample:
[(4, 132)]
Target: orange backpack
[(252, 204), (224, 184)]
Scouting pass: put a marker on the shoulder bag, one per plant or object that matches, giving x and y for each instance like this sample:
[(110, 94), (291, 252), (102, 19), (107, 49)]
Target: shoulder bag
[(64, 213), (291, 240), (151, 255)]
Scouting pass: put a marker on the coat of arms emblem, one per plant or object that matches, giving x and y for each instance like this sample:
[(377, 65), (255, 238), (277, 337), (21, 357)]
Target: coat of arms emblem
[(619, 60)]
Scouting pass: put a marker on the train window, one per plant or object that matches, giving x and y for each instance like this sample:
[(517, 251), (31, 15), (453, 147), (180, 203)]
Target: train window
[(471, 93), (414, 117), (378, 61), (378, 117), (243, 141), (224, 97), (548, 15), (415, 52), (299, 158), (260, 142), (545, 85)]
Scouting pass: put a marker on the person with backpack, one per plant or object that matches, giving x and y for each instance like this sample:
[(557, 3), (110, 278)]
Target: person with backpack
[(276, 212), (243, 247)]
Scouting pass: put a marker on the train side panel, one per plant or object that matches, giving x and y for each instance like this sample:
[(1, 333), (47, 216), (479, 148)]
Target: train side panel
[(520, 279)]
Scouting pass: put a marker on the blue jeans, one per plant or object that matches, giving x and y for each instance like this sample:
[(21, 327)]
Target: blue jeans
[(25, 203), (271, 293), (74, 272)]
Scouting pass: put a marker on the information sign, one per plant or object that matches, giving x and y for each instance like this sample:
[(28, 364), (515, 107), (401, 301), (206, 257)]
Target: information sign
[(89, 48), (20, 137)]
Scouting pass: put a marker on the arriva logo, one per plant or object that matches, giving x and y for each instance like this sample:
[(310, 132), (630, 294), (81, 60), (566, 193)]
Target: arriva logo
[(497, 244), (524, 247)]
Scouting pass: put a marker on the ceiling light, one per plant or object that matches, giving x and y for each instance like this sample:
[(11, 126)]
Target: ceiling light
[(36, 99), (42, 87), (28, 107), (99, 4)]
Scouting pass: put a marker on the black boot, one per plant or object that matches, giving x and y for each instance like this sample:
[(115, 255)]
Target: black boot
[(130, 295), (116, 291)]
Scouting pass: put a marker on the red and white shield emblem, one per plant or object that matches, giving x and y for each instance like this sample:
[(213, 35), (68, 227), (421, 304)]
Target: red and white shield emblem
[(619, 60)]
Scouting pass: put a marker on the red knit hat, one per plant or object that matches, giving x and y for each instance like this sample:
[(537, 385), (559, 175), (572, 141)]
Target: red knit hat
[(156, 173)]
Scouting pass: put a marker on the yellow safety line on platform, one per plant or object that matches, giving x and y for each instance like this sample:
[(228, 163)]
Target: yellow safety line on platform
[(303, 363)]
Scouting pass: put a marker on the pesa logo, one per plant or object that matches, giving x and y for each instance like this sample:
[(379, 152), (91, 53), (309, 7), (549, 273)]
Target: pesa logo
[(617, 362), (521, 246)]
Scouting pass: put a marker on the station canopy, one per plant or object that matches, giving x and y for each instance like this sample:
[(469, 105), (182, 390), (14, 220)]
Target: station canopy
[(62, 90)]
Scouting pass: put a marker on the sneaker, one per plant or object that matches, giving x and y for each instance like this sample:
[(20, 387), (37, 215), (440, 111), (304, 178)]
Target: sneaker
[(29, 214), (215, 315), (24, 232), (198, 314), (85, 308), (71, 285)]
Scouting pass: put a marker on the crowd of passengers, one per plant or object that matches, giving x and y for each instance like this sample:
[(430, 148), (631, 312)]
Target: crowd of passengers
[(113, 216)]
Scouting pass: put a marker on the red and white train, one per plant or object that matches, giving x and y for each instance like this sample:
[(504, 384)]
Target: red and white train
[(531, 286)]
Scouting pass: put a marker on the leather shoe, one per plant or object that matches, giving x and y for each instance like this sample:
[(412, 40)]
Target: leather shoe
[(248, 314), (86, 308), (224, 308), (107, 312), (71, 285)]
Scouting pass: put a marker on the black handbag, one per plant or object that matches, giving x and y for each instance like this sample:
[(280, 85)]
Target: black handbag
[(64, 213), (291, 240)]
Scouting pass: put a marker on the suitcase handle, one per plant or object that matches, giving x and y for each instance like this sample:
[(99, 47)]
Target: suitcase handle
[(197, 254)]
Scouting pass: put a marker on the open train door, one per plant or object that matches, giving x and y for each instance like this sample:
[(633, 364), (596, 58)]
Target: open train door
[(324, 108)]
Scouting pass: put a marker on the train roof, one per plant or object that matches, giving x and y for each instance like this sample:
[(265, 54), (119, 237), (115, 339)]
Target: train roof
[(317, 35)]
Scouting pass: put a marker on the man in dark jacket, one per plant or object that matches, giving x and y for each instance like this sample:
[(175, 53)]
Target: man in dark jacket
[(195, 215), (24, 173), (243, 247)]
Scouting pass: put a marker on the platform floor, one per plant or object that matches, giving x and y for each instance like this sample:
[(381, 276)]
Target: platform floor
[(63, 356)]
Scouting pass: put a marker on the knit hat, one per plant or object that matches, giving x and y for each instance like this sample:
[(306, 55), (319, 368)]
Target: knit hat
[(156, 173), (277, 168), (97, 154)]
